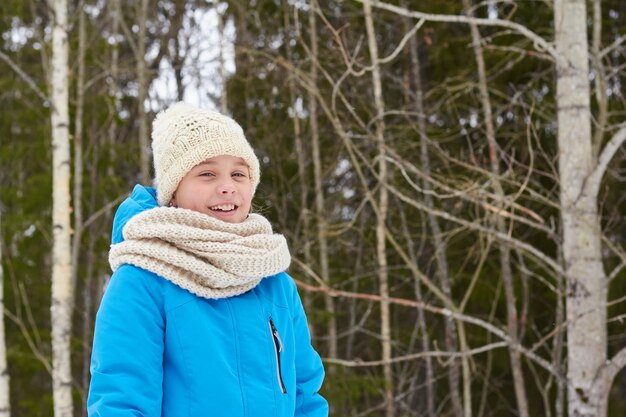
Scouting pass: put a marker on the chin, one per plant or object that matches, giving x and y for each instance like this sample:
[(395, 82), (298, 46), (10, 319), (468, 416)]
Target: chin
[(226, 219)]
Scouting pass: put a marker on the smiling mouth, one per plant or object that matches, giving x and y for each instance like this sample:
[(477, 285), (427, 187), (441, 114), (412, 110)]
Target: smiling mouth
[(224, 208)]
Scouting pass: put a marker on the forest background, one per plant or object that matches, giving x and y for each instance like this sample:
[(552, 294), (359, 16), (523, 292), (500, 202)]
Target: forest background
[(448, 173)]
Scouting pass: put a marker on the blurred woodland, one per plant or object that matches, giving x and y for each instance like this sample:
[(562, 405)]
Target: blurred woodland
[(448, 173)]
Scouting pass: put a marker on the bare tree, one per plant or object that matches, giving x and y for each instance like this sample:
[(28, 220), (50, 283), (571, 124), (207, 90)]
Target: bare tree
[(78, 177), (78, 144), (5, 398), (504, 249), (296, 115), (589, 373), (381, 212), (440, 246), (62, 290), (320, 204)]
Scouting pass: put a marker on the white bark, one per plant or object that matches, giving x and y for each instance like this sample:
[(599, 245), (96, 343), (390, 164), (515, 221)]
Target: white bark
[(62, 291), (586, 278), (612, 146), (381, 215), (5, 399)]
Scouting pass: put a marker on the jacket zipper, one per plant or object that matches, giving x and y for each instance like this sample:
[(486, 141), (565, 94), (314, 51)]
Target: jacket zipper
[(278, 347)]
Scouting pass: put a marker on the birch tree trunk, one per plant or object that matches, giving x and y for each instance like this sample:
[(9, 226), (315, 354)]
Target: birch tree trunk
[(5, 399), (62, 291), (503, 248), (381, 215), (586, 278), (320, 212)]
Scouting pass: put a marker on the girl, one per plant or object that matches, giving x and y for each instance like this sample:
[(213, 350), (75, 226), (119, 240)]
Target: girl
[(199, 318)]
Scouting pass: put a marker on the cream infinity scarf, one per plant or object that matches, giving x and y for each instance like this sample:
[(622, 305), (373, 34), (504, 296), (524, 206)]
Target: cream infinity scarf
[(204, 255)]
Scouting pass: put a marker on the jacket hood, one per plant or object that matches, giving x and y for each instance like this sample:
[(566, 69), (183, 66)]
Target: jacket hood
[(140, 199)]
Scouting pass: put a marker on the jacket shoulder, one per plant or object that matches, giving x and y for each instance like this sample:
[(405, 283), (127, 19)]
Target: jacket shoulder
[(279, 289), (129, 281)]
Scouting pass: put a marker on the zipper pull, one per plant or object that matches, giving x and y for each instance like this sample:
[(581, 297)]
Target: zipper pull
[(277, 336), (280, 342)]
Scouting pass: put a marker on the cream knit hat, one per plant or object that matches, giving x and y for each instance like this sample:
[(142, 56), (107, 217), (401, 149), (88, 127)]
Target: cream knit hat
[(184, 136)]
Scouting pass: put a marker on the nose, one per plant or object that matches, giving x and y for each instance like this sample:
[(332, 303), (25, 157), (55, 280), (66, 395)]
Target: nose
[(226, 188)]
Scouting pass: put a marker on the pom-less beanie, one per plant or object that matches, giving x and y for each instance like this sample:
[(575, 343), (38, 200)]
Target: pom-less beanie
[(184, 136)]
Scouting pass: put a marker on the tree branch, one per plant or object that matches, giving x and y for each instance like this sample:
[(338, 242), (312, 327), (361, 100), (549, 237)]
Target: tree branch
[(539, 42), (31, 83), (45, 361), (616, 364), (607, 373), (533, 251), (616, 44), (418, 355), (441, 311), (593, 183), (94, 216)]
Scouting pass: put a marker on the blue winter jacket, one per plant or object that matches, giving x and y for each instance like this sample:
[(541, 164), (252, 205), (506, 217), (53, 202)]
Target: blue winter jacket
[(160, 350)]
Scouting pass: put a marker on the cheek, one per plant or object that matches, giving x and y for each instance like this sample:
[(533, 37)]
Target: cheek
[(190, 197), (248, 201), (246, 194)]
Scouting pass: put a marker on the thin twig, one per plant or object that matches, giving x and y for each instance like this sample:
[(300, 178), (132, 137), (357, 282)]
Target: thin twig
[(27, 78), (418, 355)]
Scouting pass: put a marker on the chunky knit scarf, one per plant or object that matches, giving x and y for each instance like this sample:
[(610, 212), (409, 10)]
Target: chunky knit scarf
[(204, 255)]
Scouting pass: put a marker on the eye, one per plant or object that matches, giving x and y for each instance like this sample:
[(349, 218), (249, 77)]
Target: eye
[(206, 174), (239, 174)]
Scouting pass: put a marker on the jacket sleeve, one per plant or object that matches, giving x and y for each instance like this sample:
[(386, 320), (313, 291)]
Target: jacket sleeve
[(309, 367), (127, 356)]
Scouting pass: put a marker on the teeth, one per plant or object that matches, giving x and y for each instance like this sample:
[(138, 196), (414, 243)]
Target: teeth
[(223, 207)]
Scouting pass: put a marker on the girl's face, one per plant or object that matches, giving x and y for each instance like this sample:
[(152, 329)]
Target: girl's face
[(219, 187)]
